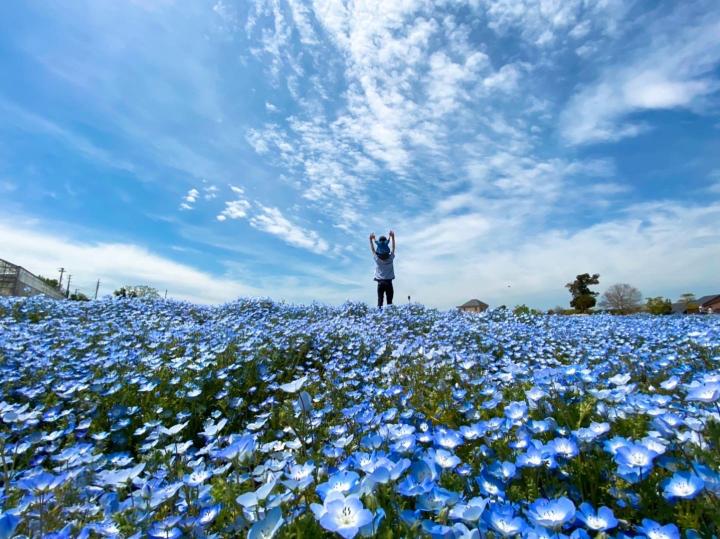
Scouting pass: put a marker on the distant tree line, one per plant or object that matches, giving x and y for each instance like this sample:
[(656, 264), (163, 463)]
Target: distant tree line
[(137, 291)]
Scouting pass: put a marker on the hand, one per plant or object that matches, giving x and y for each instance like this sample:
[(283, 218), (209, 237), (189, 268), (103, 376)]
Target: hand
[(372, 236), (391, 234)]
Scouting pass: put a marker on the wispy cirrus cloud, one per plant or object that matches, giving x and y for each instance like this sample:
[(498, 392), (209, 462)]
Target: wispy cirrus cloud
[(673, 68)]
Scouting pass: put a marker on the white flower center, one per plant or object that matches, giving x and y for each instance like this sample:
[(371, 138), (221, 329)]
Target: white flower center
[(347, 516)]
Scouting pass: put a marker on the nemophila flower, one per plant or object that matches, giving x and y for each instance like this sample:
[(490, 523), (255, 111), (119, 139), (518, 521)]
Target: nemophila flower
[(706, 393), (490, 485), (516, 411), (294, 386), (635, 456), (653, 530), (551, 513), (539, 426), (404, 445), (268, 526), (208, 514), (371, 528), (711, 478), (613, 444), (41, 482), (420, 479), (436, 530), (472, 432), (239, 450), (532, 458), (447, 438), (470, 511), (299, 476), (682, 485), (502, 470), (8, 523), (165, 529), (601, 520), (535, 393), (344, 482), (444, 459), (502, 519), (344, 515), (460, 531), (564, 447), (436, 499), (619, 379)]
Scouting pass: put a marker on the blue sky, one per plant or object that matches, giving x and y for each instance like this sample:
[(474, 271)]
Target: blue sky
[(219, 149)]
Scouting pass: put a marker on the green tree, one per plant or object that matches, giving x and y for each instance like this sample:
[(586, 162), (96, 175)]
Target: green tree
[(137, 291), (658, 305), (689, 302), (78, 296), (48, 281), (621, 298), (583, 299), (524, 309)]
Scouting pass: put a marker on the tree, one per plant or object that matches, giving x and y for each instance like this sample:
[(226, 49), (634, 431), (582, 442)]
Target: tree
[(583, 298), (658, 305), (621, 298), (50, 282), (689, 302), (137, 291), (524, 309), (78, 296)]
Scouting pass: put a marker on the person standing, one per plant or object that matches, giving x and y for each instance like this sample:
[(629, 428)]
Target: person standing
[(384, 254)]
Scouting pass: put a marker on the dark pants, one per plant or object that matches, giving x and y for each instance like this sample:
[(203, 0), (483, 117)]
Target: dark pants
[(385, 287)]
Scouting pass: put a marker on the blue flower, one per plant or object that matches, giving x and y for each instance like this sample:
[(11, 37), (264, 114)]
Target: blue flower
[(502, 519), (470, 511), (654, 530), (516, 411), (564, 447), (552, 513), (268, 526), (8, 523), (683, 485), (370, 529), (636, 457), (343, 481), (706, 393), (344, 515), (602, 520)]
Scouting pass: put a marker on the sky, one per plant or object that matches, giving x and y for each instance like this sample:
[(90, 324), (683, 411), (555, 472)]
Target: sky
[(218, 149)]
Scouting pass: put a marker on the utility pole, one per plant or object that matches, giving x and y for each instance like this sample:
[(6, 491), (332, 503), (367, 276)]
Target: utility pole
[(61, 270), (67, 290), (97, 287), (166, 293)]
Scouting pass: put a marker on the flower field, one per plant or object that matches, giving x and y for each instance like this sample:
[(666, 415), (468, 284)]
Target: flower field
[(134, 418)]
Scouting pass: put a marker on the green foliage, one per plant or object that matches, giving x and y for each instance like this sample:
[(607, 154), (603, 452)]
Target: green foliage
[(524, 309), (583, 299), (658, 305), (137, 291), (78, 296), (48, 281)]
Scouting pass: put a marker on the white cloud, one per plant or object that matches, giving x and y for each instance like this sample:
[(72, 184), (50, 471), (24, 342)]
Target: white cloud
[(234, 209), (674, 69), (479, 255), (272, 221), (115, 264)]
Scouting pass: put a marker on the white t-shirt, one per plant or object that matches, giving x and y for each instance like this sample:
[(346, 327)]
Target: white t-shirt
[(384, 270)]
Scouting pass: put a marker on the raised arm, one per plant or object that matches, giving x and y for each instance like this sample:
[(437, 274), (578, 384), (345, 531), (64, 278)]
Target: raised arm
[(392, 241), (372, 243)]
